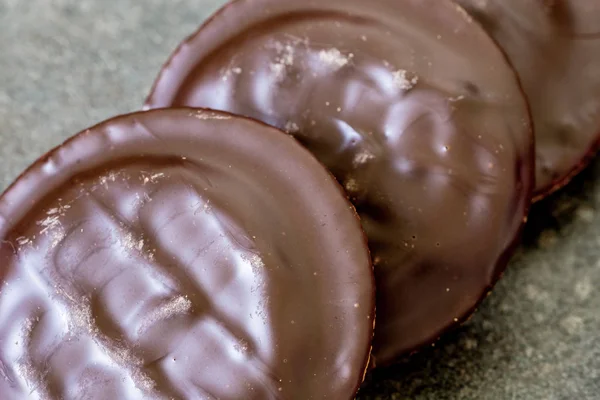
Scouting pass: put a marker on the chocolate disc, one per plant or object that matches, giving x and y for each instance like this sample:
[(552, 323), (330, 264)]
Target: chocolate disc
[(416, 112), (555, 47), (182, 254)]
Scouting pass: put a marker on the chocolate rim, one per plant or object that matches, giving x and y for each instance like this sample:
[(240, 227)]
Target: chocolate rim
[(559, 183)]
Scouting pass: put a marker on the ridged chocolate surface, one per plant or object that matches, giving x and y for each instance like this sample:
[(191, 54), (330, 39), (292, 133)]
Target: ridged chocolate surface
[(181, 254), (416, 112), (555, 48)]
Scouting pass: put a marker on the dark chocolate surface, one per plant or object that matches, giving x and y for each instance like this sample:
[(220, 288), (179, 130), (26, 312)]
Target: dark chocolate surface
[(182, 254), (68, 63), (554, 46), (415, 111)]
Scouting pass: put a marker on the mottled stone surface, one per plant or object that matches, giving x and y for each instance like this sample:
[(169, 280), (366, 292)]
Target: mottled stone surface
[(67, 64)]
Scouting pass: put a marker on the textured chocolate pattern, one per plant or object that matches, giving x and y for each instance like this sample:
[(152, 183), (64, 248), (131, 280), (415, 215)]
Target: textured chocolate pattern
[(416, 112), (182, 254), (555, 47)]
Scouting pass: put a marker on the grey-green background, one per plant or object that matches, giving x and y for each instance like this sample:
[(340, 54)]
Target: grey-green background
[(67, 64)]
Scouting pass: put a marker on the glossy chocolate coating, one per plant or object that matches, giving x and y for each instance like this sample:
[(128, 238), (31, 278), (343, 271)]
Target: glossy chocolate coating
[(182, 254), (416, 112), (555, 48)]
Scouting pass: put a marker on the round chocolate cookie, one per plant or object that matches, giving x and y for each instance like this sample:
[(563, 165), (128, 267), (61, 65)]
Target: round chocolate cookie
[(415, 111), (182, 254), (555, 48)]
